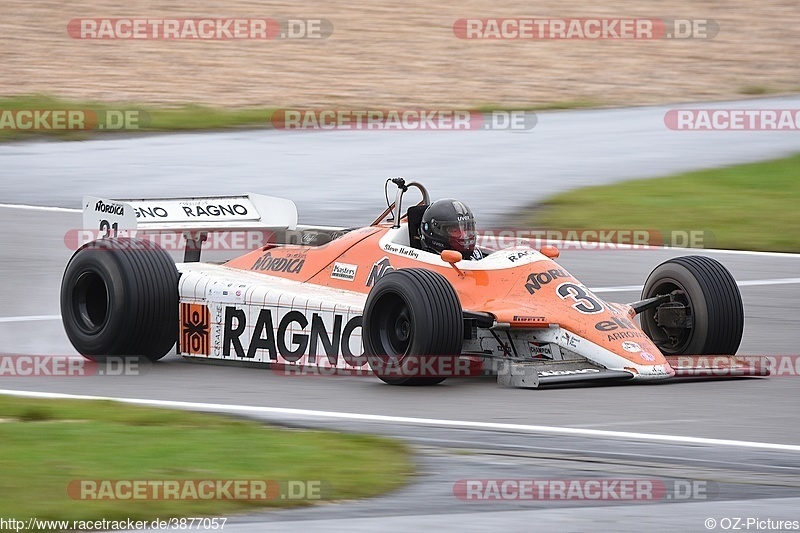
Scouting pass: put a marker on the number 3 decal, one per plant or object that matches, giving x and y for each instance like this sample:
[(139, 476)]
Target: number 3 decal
[(583, 302)]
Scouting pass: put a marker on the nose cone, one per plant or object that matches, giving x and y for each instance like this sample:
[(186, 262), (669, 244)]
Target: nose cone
[(621, 335)]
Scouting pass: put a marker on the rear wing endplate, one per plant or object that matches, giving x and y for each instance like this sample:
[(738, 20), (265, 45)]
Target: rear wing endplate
[(194, 217)]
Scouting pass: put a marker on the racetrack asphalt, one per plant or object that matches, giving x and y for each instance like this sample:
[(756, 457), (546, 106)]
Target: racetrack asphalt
[(340, 184)]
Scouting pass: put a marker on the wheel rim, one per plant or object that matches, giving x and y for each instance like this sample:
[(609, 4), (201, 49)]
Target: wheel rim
[(90, 302), (670, 340), (392, 333), (396, 329)]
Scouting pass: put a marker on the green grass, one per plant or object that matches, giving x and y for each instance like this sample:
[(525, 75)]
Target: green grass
[(746, 207), (47, 444), (560, 105), (182, 118), (756, 90)]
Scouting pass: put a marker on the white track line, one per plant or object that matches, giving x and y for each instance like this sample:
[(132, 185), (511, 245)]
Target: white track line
[(461, 424), (41, 208), (30, 318), (621, 288), (735, 252), (745, 283), (759, 282)]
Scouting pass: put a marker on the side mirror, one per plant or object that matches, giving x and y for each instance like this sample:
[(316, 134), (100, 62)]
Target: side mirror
[(549, 251), (452, 257)]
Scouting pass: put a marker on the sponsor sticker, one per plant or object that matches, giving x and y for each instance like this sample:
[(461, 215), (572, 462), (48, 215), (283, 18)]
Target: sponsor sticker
[(379, 269), (401, 250), (526, 319), (577, 371), (570, 341), (291, 264), (520, 255), (110, 207), (292, 335), (647, 356), (195, 329), (537, 280), (344, 271), (630, 346), (540, 351), (226, 293), (657, 370), (195, 210)]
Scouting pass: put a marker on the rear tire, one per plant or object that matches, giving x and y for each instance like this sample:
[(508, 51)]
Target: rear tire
[(712, 300), (119, 297), (411, 313)]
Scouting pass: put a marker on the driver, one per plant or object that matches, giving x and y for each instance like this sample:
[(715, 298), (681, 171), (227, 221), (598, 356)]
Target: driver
[(448, 224)]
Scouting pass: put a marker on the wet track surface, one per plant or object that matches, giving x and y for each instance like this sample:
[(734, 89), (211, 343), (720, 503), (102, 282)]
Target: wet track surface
[(563, 151), (336, 177)]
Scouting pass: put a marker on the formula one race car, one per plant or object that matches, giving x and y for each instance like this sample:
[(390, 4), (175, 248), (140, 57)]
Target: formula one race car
[(343, 299)]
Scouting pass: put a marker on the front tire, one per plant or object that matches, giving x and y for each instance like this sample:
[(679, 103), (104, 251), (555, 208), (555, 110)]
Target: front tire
[(119, 297), (411, 313), (712, 302)]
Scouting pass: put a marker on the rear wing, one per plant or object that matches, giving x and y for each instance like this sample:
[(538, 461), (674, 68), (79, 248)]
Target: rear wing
[(193, 217)]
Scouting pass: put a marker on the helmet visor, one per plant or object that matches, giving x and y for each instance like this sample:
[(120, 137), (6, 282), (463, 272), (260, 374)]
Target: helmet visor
[(460, 234)]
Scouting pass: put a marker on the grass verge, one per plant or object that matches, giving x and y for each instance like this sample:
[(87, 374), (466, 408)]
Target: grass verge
[(105, 118), (49, 443), (128, 118), (744, 207)]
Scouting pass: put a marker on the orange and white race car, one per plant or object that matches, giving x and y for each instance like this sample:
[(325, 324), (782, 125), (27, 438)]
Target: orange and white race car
[(370, 298)]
